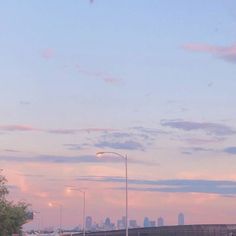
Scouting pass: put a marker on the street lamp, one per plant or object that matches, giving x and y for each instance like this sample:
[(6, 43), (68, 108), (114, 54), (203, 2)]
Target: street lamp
[(84, 198), (100, 154), (52, 204), (34, 214)]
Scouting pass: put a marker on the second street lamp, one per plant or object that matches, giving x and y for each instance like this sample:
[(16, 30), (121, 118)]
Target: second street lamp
[(52, 204), (84, 199), (100, 154)]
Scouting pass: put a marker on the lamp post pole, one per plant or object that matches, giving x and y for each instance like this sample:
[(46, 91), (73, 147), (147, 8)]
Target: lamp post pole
[(125, 157), (126, 196)]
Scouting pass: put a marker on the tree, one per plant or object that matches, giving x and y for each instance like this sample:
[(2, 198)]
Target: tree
[(3, 188), (12, 215)]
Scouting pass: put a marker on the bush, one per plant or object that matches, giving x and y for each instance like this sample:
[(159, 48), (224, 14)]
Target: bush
[(12, 215)]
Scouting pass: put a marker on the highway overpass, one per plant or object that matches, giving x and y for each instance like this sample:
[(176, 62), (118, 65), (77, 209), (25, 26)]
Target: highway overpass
[(179, 230)]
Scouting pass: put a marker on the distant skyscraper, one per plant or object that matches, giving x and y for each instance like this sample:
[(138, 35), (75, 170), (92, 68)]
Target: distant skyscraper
[(108, 225), (107, 222), (146, 222), (181, 219), (133, 224), (160, 221), (120, 224), (152, 223), (124, 221), (89, 222)]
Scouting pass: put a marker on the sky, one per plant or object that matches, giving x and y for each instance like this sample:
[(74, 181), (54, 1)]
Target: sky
[(153, 80)]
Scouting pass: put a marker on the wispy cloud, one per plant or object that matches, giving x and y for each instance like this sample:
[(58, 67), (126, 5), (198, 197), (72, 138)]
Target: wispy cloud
[(209, 128), (73, 146), (230, 150), (200, 141), (62, 131), (17, 128), (74, 131), (221, 187), (192, 150), (32, 175), (48, 53), (10, 150), (107, 78), (59, 159), (225, 53), (134, 138), (126, 145), (25, 103), (131, 139), (20, 127), (46, 159), (149, 131)]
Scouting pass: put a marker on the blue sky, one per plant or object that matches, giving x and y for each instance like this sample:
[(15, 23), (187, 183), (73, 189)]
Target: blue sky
[(151, 79)]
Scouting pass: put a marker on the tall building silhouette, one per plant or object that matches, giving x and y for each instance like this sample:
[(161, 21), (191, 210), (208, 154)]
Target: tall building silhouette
[(160, 222), (152, 223), (181, 219), (89, 222), (107, 222), (124, 221), (120, 224), (146, 222), (133, 224)]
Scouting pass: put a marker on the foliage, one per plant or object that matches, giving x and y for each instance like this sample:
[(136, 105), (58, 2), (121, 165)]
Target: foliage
[(3, 188), (12, 215)]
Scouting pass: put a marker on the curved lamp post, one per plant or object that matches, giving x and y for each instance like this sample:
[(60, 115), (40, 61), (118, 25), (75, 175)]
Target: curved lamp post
[(52, 204), (100, 154)]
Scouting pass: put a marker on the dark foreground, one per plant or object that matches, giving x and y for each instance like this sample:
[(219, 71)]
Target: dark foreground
[(182, 230)]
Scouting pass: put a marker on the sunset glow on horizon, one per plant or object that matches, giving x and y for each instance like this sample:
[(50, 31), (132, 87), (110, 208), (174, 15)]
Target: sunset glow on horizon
[(152, 81)]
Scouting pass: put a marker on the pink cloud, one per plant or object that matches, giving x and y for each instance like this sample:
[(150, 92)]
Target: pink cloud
[(47, 53), (17, 128), (110, 80), (225, 53), (74, 131), (28, 128), (98, 74)]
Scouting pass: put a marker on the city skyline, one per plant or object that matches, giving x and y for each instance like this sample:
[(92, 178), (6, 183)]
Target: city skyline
[(153, 80), (108, 224)]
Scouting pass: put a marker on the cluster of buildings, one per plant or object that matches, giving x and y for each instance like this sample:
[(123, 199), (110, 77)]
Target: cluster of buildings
[(121, 223), (107, 225)]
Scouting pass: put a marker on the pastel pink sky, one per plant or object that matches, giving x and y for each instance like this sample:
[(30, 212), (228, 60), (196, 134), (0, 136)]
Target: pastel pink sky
[(153, 80)]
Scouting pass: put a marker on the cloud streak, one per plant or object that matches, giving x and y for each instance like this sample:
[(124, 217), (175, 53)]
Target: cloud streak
[(135, 138), (12, 128), (57, 159), (27, 128), (225, 53), (107, 78), (209, 128), (192, 150), (75, 131), (126, 145), (45, 159), (221, 187), (230, 150)]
